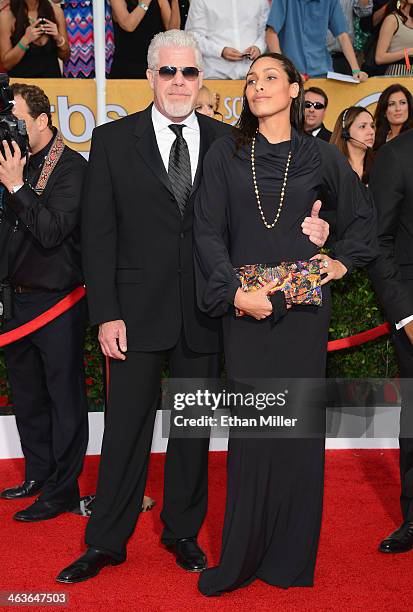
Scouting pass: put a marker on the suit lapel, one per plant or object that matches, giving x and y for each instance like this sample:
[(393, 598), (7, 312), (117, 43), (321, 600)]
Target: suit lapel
[(204, 142), (147, 148), (206, 138)]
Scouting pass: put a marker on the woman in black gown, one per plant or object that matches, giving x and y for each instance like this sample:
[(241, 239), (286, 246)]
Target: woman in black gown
[(275, 486)]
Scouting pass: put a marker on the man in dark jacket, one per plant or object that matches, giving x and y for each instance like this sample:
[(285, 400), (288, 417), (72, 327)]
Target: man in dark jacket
[(40, 254), (316, 102), (391, 182)]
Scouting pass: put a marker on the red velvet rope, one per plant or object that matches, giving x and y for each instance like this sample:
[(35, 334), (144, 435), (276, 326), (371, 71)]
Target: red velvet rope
[(43, 319), (357, 339), (72, 298)]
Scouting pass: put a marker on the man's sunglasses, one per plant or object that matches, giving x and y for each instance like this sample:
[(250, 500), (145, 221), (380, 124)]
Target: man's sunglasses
[(316, 105), (167, 73)]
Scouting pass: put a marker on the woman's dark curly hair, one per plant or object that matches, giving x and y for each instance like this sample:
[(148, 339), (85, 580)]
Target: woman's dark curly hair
[(20, 12), (248, 122)]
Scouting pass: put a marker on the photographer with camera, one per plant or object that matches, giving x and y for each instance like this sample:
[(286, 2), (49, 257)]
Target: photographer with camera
[(40, 250), (33, 38)]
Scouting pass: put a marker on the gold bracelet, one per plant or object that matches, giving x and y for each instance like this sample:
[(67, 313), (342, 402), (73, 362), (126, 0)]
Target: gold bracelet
[(62, 43)]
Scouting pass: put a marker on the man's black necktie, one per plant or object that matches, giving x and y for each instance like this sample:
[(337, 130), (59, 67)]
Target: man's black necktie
[(179, 168)]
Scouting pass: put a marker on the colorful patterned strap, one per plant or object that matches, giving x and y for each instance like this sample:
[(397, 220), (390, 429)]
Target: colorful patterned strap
[(55, 153)]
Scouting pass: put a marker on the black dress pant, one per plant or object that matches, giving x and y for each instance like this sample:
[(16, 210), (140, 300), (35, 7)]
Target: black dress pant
[(132, 402), (404, 353), (46, 375)]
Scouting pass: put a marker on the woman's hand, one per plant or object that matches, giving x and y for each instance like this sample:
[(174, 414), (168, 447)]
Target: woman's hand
[(50, 28), (255, 303), (332, 268), (32, 32)]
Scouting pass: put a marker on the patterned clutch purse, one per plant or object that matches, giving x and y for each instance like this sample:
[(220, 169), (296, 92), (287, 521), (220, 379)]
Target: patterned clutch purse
[(300, 280)]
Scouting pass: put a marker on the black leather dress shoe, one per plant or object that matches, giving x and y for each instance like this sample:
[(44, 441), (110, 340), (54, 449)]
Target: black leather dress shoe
[(43, 511), (188, 554), (29, 488), (399, 541), (87, 566)]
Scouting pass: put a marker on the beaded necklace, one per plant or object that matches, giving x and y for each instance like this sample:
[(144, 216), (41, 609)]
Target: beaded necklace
[(257, 193)]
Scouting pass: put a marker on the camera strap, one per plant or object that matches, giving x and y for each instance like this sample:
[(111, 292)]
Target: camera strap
[(50, 162)]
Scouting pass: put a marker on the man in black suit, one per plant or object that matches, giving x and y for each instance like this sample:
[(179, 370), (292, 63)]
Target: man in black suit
[(391, 182), (316, 102), (40, 255), (144, 171)]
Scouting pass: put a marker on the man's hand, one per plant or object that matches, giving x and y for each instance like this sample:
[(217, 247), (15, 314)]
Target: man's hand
[(333, 269), (112, 338), (232, 55), (11, 166), (253, 52), (408, 328), (315, 228)]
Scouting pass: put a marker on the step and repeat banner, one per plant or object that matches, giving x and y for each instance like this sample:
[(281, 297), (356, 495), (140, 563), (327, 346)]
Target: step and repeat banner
[(74, 101)]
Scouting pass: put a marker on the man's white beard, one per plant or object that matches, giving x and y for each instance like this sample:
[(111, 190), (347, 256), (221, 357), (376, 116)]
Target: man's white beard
[(179, 109)]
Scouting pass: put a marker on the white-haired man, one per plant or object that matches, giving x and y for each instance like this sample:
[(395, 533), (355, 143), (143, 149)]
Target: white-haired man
[(144, 171)]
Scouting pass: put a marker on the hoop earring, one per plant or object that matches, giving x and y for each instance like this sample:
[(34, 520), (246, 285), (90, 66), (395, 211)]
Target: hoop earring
[(398, 5)]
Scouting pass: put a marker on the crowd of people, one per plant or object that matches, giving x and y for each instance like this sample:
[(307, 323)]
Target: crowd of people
[(356, 37), (358, 133)]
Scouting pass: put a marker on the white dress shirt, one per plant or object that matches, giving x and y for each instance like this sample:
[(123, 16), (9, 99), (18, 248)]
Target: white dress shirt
[(227, 23), (315, 132), (404, 322), (165, 137)]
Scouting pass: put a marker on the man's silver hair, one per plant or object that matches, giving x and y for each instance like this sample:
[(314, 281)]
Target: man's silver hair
[(172, 38)]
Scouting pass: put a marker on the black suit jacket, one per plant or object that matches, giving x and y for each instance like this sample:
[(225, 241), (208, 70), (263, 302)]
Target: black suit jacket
[(44, 252), (137, 249), (391, 182), (324, 133)]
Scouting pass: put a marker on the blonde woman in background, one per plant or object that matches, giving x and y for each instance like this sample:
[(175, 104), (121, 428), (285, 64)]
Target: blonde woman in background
[(205, 102)]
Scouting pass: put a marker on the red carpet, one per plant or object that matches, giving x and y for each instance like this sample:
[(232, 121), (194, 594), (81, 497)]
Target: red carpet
[(361, 506)]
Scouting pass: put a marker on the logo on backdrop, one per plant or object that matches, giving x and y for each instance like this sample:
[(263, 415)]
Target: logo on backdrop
[(66, 114)]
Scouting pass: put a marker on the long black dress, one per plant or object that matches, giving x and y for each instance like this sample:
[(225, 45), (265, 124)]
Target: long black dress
[(275, 486)]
